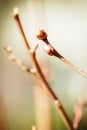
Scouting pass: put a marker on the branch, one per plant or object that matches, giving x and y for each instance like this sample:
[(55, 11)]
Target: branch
[(19, 62), (78, 112), (41, 35), (39, 74)]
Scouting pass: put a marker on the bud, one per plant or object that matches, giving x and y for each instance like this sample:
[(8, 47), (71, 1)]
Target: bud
[(12, 57), (15, 11), (48, 50), (41, 35), (8, 49)]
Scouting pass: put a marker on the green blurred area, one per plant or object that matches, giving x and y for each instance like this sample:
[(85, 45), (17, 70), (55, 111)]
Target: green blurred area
[(66, 24)]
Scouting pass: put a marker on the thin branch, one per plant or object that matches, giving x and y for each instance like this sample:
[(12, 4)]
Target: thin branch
[(19, 62), (50, 50), (78, 112), (16, 17), (40, 75), (35, 48)]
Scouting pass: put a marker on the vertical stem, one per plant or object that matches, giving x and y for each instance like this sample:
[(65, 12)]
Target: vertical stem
[(16, 17)]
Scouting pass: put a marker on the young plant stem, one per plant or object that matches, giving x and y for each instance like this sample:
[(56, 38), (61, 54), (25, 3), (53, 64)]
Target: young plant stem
[(50, 50), (40, 76)]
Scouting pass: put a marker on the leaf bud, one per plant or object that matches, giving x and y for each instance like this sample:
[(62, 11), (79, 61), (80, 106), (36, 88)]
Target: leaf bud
[(41, 35)]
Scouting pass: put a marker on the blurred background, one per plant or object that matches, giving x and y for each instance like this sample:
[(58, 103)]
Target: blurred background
[(23, 103)]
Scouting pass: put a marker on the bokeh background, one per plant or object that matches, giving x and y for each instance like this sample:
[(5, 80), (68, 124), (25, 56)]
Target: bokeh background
[(22, 102)]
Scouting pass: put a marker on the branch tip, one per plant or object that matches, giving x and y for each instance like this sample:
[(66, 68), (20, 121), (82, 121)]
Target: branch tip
[(41, 34), (35, 48), (15, 11)]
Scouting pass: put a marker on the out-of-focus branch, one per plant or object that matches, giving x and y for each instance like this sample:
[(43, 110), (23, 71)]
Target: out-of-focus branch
[(78, 112), (39, 74), (19, 62), (50, 50)]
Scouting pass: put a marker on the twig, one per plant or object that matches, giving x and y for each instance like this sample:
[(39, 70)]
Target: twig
[(19, 62), (41, 35), (40, 76), (78, 112)]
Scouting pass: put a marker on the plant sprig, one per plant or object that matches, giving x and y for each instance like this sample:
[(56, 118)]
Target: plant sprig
[(50, 50)]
